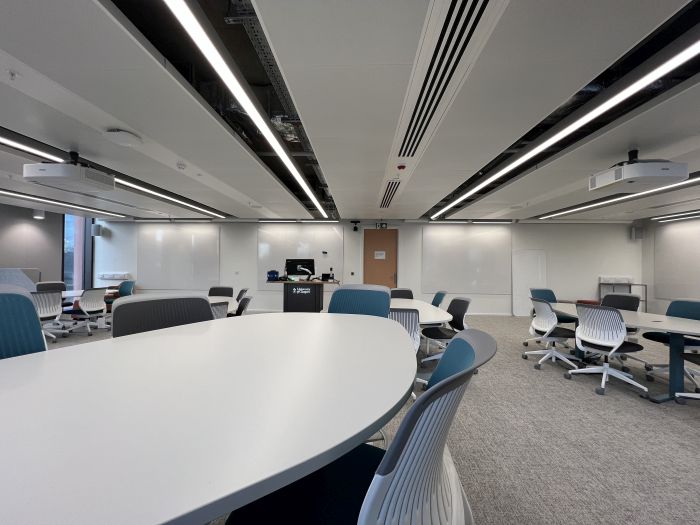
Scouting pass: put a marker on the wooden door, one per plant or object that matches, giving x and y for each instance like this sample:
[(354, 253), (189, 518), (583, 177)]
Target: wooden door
[(380, 257)]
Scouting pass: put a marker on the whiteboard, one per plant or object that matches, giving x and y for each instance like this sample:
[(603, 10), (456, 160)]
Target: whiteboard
[(278, 242), (178, 256), (467, 259), (677, 277), (529, 271)]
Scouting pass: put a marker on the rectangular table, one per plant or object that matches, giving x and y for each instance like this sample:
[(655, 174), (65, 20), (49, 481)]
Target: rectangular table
[(676, 327)]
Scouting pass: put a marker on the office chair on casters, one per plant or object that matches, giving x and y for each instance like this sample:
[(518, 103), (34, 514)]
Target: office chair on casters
[(682, 396), (409, 319), (220, 291), (242, 306), (91, 307), (688, 310), (241, 294), (413, 481), (545, 328), (440, 335), (361, 299), (20, 328), (53, 286), (401, 293), (601, 330), (49, 307), (143, 313), (438, 298), (219, 310)]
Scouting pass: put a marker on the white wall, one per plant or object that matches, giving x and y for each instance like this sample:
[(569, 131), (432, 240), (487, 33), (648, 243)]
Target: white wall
[(29, 243), (576, 255)]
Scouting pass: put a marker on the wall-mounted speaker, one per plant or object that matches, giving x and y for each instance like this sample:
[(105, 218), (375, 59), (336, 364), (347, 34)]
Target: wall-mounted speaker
[(636, 233), (96, 230)]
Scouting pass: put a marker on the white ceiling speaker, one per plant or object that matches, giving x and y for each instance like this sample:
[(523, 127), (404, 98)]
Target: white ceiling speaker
[(123, 138)]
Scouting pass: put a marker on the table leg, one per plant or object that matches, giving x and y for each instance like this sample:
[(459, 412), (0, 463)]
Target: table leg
[(675, 369)]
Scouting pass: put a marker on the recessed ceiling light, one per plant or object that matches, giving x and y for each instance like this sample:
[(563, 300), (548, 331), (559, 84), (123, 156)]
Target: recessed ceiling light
[(28, 149), (32, 198), (166, 197), (681, 58), (199, 36), (621, 199)]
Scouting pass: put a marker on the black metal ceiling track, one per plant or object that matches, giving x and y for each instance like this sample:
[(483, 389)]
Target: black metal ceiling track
[(564, 211), (237, 25), (29, 141), (443, 64), (389, 193), (687, 19)]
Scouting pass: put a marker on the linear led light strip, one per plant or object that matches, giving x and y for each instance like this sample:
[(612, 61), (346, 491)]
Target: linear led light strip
[(694, 212), (682, 218), (59, 203), (29, 149), (166, 197), (665, 68), (620, 199), (200, 38)]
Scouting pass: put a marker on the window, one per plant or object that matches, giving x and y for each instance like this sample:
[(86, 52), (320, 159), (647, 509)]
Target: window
[(73, 251)]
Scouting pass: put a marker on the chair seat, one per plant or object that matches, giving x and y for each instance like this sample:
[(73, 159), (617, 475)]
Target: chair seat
[(77, 311), (559, 331), (438, 333), (332, 494), (626, 347), (662, 337), (563, 318)]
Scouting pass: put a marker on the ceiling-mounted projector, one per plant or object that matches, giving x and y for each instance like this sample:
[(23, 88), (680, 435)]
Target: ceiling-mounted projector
[(635, 175), (69, 177)]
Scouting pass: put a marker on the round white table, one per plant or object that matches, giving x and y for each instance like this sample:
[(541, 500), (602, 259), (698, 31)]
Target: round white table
[(184, 424), (427, 313)]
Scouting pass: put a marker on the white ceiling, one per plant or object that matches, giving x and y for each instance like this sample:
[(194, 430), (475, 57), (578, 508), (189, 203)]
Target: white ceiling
[(348, 65)]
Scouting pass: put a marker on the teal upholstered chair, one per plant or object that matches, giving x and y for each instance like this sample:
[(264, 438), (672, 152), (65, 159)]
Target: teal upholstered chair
[(125, 289), (438, 298), (413, 481), (362, 299), (20, 328)]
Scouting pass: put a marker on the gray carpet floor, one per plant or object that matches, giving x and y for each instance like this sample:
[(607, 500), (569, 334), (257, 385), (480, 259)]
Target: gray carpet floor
[(532, 447)]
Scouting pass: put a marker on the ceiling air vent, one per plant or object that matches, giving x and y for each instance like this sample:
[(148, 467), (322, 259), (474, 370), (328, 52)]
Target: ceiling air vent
[(389, 193), (459, 26)]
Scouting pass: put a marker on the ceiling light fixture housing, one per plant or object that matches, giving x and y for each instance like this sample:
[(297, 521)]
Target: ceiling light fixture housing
[(32, 198)]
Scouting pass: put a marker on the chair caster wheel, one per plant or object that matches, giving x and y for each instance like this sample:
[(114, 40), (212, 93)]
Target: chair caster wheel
[(538, 366), (623, 358), (90, 334), (572, 352), (524, 355), (648, 368), (600, 391), (525, 343), (650, 378), (567, 375), (697, 390), (681, 400), (644, 395), (581, 365), (64, 335), (626, 369), (476, 371)]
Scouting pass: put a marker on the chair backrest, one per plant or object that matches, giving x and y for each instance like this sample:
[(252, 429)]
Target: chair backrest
[(142, 313), (545, 318), (411, 480), (48, 305), (243, 305), (363, 299), (126, 288), (408, 318), (401, 293), (51, 286), (93, 300), (458, 309), (599, 325), (438, 298), (621, 301), (684, 308), (20, 328), (543, 293), (220, 291), (219, 310), (241, 294)]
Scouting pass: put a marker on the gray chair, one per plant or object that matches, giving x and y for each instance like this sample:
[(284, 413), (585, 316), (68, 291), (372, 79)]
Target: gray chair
[(220, 291), (601, 330), (408, 318), (49, 307), (242, 306), (440, 335), (219, 310), (53, 286), (401, 293), (142, 313), (414, 481), (545, 328), (20, 328), (91, 307), (241, 294)]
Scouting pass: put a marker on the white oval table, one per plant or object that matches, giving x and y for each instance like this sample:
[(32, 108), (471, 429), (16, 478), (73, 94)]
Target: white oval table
[(427, 313), (185, 424)]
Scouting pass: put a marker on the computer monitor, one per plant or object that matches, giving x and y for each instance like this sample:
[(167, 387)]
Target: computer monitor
[(300, 267)]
